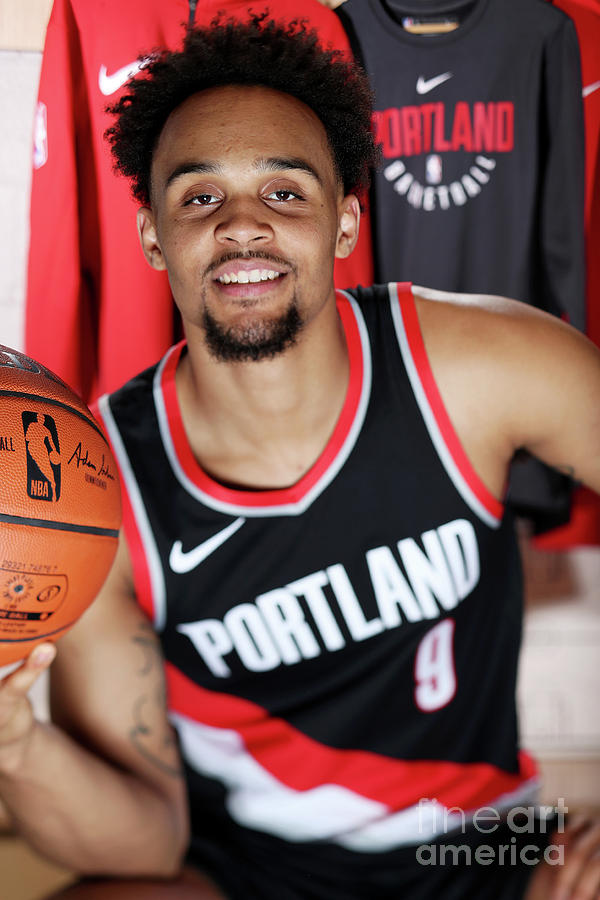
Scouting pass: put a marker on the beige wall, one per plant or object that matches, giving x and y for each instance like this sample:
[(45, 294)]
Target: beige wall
[(22, 29), (23, 24)]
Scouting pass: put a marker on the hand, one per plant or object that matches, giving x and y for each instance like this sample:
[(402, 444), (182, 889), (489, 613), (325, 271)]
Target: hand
[(579, 878), (16, 714)]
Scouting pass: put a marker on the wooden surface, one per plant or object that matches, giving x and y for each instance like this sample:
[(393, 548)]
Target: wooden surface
[(24, 875)]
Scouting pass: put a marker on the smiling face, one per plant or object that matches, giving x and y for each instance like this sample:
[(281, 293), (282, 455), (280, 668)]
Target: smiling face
[(247, 217)]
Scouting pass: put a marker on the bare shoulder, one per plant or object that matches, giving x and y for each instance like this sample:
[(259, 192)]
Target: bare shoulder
[(481, 310), (513, 376), (505, 337)]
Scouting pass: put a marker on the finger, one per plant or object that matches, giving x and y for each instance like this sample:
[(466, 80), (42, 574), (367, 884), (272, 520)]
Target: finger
[(22, 679), (588, 884), (582, 843)]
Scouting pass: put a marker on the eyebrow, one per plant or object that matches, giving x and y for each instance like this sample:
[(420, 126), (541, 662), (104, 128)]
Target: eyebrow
[(283, 163), (264, 164)]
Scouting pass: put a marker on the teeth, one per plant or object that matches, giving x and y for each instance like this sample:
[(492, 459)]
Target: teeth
[(252, 277)]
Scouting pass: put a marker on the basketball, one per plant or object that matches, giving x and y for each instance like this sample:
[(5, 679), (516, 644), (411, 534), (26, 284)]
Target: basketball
[(60, 506)]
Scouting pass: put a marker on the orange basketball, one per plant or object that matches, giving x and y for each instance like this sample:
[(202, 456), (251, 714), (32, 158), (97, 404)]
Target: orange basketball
[(60, 506)]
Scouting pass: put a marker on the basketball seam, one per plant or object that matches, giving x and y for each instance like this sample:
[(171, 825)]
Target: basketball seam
[(52, 402), (59, 526)]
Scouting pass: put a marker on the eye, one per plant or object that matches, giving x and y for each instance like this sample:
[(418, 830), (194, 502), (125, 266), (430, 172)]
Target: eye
[(282, 195), (201, 200)]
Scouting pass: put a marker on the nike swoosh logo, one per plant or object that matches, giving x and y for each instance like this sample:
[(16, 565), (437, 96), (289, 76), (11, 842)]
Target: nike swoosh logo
[(182, 561), (424, 85), (108, 84), (590, 88)]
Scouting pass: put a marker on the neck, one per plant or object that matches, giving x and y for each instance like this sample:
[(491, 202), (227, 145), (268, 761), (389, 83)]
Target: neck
[(264, 424)]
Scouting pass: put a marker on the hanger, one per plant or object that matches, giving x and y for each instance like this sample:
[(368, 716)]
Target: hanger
[(427, 18)]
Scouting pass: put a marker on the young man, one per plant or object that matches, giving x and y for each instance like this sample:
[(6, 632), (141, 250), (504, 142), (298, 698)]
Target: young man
[(313, 521)]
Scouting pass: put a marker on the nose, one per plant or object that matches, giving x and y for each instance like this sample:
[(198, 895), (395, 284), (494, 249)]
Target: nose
[(244, 222)]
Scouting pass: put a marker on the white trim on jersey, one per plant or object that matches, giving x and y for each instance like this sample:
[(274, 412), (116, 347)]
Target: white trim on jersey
[(257, 799), (284, 509), (422, 823), (430, 420), (155, 569)]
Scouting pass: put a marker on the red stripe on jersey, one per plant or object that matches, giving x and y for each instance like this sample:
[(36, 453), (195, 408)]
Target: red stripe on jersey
[(139, 562), (297, 491), (302, 763), (414, 336)]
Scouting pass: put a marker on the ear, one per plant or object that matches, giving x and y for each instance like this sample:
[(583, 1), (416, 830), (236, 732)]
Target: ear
[(146, 226), (349, 221)]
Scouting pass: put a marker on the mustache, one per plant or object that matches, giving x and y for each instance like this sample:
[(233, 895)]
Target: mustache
[(233, 255)]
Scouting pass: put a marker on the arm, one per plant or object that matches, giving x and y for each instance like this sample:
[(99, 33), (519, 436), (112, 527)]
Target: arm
[(514, 377), (99, 790), (555, 408)]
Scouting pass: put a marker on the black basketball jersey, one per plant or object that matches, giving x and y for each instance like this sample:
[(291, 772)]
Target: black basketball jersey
[(341, 654)]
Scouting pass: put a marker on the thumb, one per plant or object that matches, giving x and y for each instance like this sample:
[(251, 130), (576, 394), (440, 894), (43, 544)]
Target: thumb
[(19, 682)]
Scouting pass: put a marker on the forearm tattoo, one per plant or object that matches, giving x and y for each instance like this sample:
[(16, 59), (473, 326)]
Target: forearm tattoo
[(159, 749)]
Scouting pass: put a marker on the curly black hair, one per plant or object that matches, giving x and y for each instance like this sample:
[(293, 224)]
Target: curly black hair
[(260, 51)]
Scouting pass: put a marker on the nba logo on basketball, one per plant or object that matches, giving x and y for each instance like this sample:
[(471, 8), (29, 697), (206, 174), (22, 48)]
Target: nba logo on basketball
[(433, 169), (43, 456)]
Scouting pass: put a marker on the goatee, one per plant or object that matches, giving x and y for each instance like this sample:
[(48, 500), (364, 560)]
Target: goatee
[(259, 340)]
